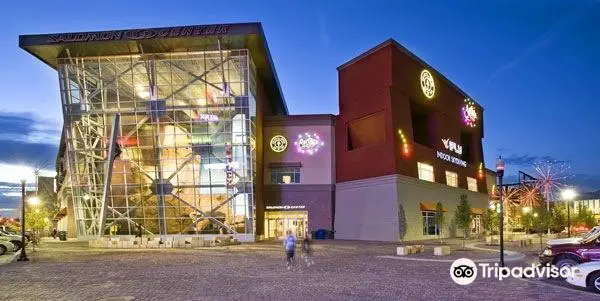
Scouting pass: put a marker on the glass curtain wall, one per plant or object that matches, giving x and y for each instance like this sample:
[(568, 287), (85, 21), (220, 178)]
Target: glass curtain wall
[(186, 142)]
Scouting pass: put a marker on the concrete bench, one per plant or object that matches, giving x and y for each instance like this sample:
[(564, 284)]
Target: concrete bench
[(441, 251)]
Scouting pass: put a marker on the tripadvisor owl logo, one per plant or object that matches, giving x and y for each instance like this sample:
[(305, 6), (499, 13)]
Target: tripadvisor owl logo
[(463, 271)]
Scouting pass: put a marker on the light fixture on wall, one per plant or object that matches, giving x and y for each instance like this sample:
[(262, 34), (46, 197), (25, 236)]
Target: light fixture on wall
[(469, 113), (427, 84), (405, 145)]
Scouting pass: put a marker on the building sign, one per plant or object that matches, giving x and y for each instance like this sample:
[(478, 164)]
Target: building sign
[(278, 143), (452, 146), (252, 143), (469, 113), (208, 117), (284, 207), (451, 159), (140, 34), (427, 84), (308, 143), (230, 177)]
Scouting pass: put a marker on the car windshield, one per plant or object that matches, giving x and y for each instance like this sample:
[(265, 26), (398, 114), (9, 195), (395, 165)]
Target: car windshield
[(592, 234)]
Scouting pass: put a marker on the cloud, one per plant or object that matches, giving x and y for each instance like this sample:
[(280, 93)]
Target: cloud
[(527, 160), (323, 32), (544, 39), (28, 128)]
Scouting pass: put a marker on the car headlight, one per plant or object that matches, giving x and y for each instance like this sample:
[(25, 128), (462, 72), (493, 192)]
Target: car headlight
[(547, 252)]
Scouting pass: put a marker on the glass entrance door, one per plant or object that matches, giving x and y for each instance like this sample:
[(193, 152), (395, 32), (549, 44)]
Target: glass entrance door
[(277, 223)]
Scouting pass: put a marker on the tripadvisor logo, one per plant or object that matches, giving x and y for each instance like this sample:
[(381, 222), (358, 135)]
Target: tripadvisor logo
[(463, 271)]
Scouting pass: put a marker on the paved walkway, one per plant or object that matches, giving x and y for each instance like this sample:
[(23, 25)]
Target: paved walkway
[(480, 255)]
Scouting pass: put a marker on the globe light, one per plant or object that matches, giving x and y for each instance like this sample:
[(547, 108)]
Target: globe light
[(526, 210), (568, 194), (34, 201)]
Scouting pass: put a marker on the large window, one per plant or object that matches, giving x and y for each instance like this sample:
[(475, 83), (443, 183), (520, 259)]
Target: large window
[(425, 172), (429, 224), (285, 175), (472, 184), (423, 125), (451, 179)]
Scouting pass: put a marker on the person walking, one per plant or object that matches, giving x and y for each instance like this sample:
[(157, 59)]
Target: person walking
[(289, 245), (54, 233), (306, 250)]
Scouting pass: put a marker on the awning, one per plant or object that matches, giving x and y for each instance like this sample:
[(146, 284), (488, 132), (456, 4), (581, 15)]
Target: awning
[(430, 206), (60, 214), (477, 211)]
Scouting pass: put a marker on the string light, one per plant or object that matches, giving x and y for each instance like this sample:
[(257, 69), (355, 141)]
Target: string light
[(480, 172), (405, 145)]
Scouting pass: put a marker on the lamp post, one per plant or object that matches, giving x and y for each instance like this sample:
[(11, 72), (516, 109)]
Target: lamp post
[(23, 256), (568, 195), (500, 173)]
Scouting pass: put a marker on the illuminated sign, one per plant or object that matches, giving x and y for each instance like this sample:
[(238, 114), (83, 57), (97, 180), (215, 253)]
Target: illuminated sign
[(208, 117), (252, 143), (278, 143), (451, 159), (469, 113), (285, 207), (452, 146), (427, 84), (308, 143)]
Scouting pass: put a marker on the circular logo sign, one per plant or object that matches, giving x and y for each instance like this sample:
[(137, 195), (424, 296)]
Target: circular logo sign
[(427, 84), (463, 271), (278, 143), (308, 143)]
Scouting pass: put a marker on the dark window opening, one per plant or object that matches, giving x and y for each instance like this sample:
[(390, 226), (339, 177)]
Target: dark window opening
[(466, 140), (422, 125), (366, 131)]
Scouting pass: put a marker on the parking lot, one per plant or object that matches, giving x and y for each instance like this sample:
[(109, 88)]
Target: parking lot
[(343, 271)]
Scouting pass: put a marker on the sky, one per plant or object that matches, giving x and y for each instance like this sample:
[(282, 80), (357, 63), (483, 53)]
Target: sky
[(532, 65)]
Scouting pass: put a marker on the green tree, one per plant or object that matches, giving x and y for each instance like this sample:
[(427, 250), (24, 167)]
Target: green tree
[(36, 220), (527, 221), (491, 221), (541, 222), (462, 216), (439, 219), (584, 216), (559, 217)]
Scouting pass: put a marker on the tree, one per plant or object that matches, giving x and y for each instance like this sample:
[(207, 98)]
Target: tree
[(559, 217), (462, 216), (541, 222), (439, 219), (491, 221), (527, 221), (36, 219), (584, 216)]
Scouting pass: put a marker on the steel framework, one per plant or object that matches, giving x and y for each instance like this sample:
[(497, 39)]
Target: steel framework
[(186, 162)]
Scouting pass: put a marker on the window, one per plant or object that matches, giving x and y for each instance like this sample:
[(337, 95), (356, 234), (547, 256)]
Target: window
[(472, 184), (366, 131), (423, 124), (425, 172), (429, 225), (451, 179), (285, 175), (466, 141)]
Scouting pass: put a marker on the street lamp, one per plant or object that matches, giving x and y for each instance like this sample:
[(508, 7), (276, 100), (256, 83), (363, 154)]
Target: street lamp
[(34, 201), (568, 195), (500, 173), (526, 210), (23, 256)]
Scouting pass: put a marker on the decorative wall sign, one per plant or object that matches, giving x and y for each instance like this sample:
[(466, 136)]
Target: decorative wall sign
[(427, 84), (252, 143), (452, 146), (469, 113), (451, 159), (308, 143), (230, 177), (278, 143)]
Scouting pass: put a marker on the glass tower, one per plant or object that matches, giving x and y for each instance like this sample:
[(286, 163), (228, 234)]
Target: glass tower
[(185, 160)]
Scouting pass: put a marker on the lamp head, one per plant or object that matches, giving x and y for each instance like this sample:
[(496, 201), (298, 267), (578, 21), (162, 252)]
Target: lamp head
[(568, 194)]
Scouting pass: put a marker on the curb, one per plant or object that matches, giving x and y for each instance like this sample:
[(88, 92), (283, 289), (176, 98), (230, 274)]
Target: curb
[(510, 256), (12, 258)]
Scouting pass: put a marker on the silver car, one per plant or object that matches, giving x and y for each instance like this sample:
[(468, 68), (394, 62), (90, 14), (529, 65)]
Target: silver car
[(12, 238), (6, 246)]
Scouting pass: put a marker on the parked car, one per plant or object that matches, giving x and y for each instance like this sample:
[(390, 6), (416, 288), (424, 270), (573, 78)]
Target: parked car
[(568, 252), (587, 275), (14, 239), (6, 246)]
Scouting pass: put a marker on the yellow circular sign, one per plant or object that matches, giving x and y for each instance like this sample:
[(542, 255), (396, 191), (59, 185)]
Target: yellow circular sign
[(278, 143), (427, 84)]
